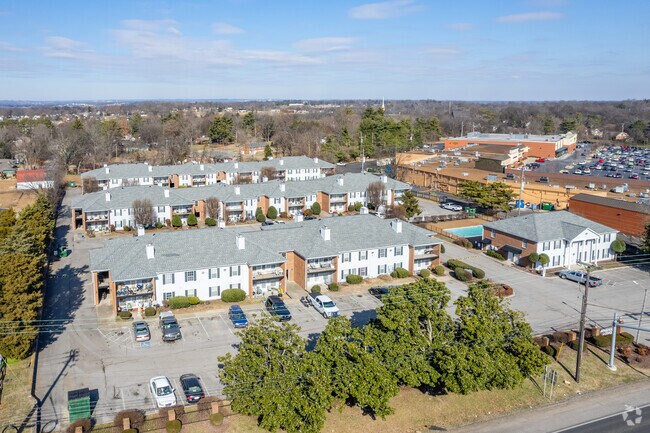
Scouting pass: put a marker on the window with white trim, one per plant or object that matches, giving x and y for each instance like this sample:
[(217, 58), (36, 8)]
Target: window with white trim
[(234, 271), (235, 286), (363, 255), (168, 295), (168, 278), (363, 272), (399, 251), (557, 245), (346, 257), (190, 292), (383, 252), (397, 265), (381, 269), (492, 233), (215, 291), (524, 243), (214, 273), (190, 276)]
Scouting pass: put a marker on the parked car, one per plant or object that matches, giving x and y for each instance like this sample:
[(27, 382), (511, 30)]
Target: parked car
[(141, 331), (577, 172), (580, 277), (543, 179), (276, 307), (309, 217), (192, 388), (451, 206), (267, 223), (171, 331), (540, 160), (378, 291), (237, 316), (510, 176), (162, 391), (340, 163)]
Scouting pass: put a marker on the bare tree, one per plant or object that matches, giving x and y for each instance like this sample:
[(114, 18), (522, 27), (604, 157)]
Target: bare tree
[(143, 214), (151, 130), (375, 194), (212, 207), (89, 184), (267, 172)]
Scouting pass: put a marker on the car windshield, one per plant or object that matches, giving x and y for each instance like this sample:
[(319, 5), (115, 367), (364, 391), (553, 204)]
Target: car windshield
[(141, 330), (168, 325), (163, 390), (329, 304), (194, 388), (238, 316)]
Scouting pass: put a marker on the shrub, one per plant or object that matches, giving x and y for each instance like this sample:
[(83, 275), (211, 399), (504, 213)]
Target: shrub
[(606, 340), (85, 424), (494, 254), (334, 287), (206, 403), (272, 213), (315, 289), (210, 222), (126, 315), (194, 300), (283, 215), (463, 243), (425, 273), (127, 228), (357, 206), (260, 217), (307, 212), (350, 208), (442, 248), (136, 417), (216, 419), (191, 220), (176, 221), (399, 273), (159, 225), (111, 228), (549, 350), (354, 279), (178, 302), (233, 295), (165, 303), (150, 311), (477, 272), (574, 344), (315, 208), (439, 270), (173, 426), (462, 275)]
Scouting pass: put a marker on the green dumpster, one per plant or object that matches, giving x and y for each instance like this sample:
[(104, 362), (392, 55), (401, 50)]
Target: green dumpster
[(547, 206), (71, 184), (63, 251), (471, 211), (78, 404)]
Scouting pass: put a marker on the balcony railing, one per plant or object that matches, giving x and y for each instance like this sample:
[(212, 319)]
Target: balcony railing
[(320, 267), (96, 217), (425, 254), (338, 199), (182, 211), (265, 274), (132, 290)]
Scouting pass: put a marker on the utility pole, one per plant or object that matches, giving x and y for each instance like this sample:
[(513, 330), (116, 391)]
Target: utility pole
[(521, 192), (583, 319), (636, 340), (363, 158)]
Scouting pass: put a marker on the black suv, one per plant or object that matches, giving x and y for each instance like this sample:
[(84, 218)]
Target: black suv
[(275, 306)]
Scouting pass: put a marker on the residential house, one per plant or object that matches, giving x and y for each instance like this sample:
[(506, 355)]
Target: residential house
[(147, 269), (33, 179), (567, 239)]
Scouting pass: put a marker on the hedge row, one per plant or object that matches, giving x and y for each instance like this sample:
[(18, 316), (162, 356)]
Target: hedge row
[(399, 273), (354, 279), (477, 272), (494, 254), (233, 295)]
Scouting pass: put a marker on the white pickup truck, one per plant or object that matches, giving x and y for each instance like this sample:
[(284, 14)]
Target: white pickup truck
[(322, 303)]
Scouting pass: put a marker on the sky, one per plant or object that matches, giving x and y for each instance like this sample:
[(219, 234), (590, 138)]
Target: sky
[(496, 50)]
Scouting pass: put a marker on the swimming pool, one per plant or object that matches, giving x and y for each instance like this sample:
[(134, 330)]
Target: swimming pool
[(467, 232)]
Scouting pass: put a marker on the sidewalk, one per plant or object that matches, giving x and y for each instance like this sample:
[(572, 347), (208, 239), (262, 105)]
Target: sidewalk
[(567, 413)]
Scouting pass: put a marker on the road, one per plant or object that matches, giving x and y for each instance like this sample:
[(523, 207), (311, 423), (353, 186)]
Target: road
[(77, 349), (607, 411)]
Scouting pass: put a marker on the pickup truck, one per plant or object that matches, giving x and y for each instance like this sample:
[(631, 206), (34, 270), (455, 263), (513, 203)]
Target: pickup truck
[(171, 331), (323, 304)]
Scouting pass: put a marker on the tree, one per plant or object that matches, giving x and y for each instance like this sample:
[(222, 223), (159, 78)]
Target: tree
[(259, 215), (355, 375), (568, 125), (176, 221), (548, 125), (315, 208), (618, 246), (494, 195), (21, 280), (212, 207), (544, 259), (7, 222), (375, 194), (410, 204), (267, 128), (272, 213), (533, 258), (410, 327), (267, 172), (268, 152), (89, 184), (143, 213), (221, 129), (645, 243), (191, 220), (249, 124), (275, 379)]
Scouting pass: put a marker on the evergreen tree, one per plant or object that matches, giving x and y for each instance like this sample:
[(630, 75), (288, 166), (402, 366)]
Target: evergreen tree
[(410, 204), (272, 213), (222, 129), (268, 152)]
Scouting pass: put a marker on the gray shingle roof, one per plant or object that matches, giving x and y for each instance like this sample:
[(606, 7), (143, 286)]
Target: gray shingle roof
[(541, 227), (122, 198), (183, 250), (127, 171)]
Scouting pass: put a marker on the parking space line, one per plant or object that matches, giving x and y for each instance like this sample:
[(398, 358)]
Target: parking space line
[(205, 388), (122, 397), (226, 323), (204, 330)]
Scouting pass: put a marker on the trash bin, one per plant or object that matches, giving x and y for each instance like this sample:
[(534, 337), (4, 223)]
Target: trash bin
[(63, 251), (71, 184)]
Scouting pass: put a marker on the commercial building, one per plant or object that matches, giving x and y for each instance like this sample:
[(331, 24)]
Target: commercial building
[(115, 207), (565, 238), (147, 269), (627, 217), (294, 168), (541, 146)]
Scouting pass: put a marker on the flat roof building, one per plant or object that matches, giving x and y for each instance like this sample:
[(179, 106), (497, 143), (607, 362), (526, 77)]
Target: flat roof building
[(541, 146)]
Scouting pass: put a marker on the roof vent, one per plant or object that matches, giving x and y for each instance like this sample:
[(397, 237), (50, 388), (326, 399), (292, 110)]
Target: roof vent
[(150, 252), (108, 196), (166, 193), (241, 242), (315, 160), (150, 168), (396, 225), (283, 187), (282, 162), (237, 190), (339, 180), (325, 233), (236, 165)]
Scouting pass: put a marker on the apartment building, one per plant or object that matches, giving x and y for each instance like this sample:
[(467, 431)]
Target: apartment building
[(114, 207), (294, 168), (566, 238), (145, 270)]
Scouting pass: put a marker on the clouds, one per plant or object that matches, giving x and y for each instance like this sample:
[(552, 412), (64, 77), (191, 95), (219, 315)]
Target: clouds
[(320, 45), (6, 46), (66, 48), (383, 10), (226, 29), (530, 16), (461, 27)]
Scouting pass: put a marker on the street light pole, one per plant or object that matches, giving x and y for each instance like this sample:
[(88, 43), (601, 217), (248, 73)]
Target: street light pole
[(583, 319)]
